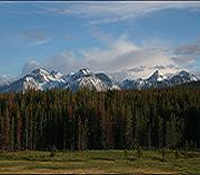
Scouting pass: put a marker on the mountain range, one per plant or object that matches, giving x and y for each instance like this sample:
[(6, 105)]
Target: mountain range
[(42, 79)]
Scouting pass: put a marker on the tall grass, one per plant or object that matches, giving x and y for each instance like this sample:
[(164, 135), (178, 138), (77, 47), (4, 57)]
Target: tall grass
[(107, 161)]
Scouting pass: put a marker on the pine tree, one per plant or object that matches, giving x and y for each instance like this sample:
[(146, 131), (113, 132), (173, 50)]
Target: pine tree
[(171, 132), (135, 126), (85, 135), (6, 130), (1, 129), (129, 129), (12, 133), (79, 136), (18, 130), (26, 129)]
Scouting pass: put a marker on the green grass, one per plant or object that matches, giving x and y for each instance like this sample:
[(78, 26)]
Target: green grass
[(111, 161)]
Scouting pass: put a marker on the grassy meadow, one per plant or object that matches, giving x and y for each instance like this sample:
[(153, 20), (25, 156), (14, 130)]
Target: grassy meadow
[(100, 162)]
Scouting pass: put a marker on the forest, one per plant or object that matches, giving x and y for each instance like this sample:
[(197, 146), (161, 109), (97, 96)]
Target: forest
[(89, 120)]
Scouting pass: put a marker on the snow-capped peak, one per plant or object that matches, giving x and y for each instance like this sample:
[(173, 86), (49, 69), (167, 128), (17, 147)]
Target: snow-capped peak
[(42, 75), (159, 80), (39, 71), (183, 73), (4, 80), (184, 76), (86, 78), (56, 74), (41, 79), (157, 76), (78, 74), (85, 71)]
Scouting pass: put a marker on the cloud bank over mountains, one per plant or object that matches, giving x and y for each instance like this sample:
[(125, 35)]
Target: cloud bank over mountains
[(66, 36), (122, 55)]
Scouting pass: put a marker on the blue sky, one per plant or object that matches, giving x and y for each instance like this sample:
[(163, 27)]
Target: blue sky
[(103, 36)]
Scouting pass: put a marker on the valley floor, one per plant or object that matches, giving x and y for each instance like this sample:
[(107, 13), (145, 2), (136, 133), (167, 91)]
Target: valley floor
[(99, 162)]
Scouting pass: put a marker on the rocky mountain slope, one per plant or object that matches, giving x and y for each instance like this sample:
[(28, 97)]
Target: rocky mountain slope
[(159, 80), (41, 79)]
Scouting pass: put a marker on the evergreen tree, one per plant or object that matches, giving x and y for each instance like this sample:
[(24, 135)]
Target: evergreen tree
[(18, 130), (100, 120), (79, 136), (129, 129), (85, 131)]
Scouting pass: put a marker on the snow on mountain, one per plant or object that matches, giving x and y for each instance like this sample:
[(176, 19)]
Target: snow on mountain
[(183, 77), (4, 80), (86, 78), (41, 79), (159, 80), (38, 79), (45, 80), (57, 75), (79, 74), (156, 77), (132, 84)]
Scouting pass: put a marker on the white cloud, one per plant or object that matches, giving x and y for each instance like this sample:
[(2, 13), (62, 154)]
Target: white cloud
[(105, 12), (121, 55), (114, 49), (37, 43), (29, 67), (36, 37), (64, 62), (187, 55), (118, 55), (184, 59), (189, 49)]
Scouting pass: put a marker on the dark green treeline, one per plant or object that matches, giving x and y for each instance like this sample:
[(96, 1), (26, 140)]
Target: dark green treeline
[(100, 120)]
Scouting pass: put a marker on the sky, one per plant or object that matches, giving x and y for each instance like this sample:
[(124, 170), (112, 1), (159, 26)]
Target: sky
[(113, 37)]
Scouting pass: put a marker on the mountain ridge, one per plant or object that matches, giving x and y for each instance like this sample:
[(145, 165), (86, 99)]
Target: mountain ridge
[(42, 79)]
